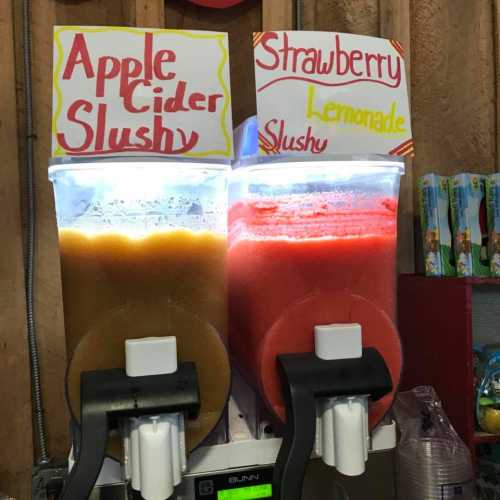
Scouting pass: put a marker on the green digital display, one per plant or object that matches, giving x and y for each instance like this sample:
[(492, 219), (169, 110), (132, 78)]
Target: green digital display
[(246, 493)]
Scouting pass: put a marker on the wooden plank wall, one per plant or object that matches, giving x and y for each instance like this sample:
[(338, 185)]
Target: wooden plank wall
[(15, 395), (395, 23), (277, 15), (361, 16), (453, 89), (455, 104), (453, 86), (237, 22)]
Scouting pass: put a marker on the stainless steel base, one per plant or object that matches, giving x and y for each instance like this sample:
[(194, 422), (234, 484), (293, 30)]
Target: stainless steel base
[(320, 483)]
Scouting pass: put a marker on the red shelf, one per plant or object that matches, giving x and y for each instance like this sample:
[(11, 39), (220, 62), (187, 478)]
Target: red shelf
[(485, 438), (467, 281), (435, 324), (481, 281)]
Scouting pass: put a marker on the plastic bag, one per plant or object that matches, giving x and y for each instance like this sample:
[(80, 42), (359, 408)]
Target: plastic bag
[(488, 389), (432, 460)]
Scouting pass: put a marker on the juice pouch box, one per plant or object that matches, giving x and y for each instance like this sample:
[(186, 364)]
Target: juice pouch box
[(493, 210), (468, 218), (434, 219)]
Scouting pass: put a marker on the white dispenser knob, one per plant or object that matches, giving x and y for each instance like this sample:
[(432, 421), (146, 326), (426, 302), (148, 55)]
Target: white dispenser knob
[(155, 444), (151, 356), (134, 458), (350, 422), (342, 436), (338, 341)]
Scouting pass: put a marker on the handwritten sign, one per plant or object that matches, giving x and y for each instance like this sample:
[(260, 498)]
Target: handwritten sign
[(321, 92), (133, 91)]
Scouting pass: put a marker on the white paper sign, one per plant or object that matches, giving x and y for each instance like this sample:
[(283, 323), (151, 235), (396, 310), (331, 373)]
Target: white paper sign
[(133, 91), (320, 92)]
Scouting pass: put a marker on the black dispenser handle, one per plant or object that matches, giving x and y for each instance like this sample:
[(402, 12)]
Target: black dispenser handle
[(108, 395), (306, 378)]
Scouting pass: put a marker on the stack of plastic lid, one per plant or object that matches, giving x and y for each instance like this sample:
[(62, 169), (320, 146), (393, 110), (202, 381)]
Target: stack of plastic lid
[(432, 461), (434, 469)]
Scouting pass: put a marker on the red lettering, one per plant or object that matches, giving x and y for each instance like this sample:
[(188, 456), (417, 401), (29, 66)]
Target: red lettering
[(158, 101), (369, 57), (73, 110), (187, 144), (163, 138), (176, 103), (311, 59), (196, 98), (284, 51), (341, 54), (275, 141), (130, 68), (281, 141), (296, 55), (270, 50), (101, 127), (288, 146), (158, 104), (79, 54), (278, 52), (128, 94), (142, 134), (148, 56), (313, 143), (212, 102), (121, 144), (380, 60), (397, 74), (325, 68), (103, 73), (161, 135), (164, 56), (356, 55)]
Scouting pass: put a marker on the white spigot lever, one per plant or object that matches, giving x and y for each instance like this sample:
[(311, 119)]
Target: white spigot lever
[(342, 434), (154, 445)]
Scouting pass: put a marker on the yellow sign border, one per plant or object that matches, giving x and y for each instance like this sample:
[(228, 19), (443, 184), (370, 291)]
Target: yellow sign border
[(141, 31)]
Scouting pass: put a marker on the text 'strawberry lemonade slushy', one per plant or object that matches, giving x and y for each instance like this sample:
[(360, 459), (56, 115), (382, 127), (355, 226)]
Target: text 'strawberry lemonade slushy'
[(310, 243)]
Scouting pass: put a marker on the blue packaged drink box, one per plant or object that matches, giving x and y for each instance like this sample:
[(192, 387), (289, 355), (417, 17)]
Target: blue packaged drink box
[(435, 223), (469, 224), (493, 211)]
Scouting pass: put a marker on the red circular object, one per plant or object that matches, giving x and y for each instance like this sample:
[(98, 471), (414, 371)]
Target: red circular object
[(293, 332), (217, 4)]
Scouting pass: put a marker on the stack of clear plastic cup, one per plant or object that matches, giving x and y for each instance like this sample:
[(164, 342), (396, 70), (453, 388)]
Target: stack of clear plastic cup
[(434, 468)]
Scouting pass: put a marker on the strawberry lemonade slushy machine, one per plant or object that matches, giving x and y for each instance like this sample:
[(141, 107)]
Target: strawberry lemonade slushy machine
[(306, 268)]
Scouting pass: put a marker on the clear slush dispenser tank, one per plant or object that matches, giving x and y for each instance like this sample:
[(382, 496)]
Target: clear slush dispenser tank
[(312, 241), (143, 254)]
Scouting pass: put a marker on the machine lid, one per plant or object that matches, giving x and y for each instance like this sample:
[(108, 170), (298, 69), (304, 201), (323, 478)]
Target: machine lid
[(65, 164)]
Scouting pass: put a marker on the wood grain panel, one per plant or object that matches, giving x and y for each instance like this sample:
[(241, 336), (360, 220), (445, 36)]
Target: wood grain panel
[(453, 86), (48, 304), (90, 13), (16, 457), (48, 299), (453, 91), (360, 17), (144, 13), (240, 22), (277, 15), (395, 24), (496, 20)]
